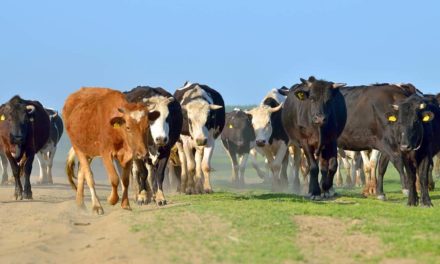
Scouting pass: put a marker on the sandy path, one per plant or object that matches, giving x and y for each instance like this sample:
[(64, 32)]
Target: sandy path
[(50, 229)]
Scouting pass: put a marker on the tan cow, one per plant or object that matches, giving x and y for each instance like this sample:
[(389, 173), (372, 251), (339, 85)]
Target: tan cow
[(101, 123)]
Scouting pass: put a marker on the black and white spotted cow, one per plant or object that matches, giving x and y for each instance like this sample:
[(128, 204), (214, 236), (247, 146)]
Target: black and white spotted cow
[(46, 154), (238, 138), (203, 120), (164, 132), (270, 138)]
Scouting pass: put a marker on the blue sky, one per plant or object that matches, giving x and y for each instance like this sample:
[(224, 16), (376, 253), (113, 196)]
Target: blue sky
[(48, 49)]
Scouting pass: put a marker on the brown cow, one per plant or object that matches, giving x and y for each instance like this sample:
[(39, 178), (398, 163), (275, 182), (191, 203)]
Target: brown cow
[(100, 122)]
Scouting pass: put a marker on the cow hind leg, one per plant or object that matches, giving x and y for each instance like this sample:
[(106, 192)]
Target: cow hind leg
[(423, 171), (88, 175), (158, 182)]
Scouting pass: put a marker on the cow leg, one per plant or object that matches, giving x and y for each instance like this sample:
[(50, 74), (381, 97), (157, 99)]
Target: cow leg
[(253, 156), (431, 182), (140, 173), (27, 168), (339, 181), (4, 163), (43, 167), (190, 169), (86, 173), (50, 158), (16, 171), (358, 165), (437, 165), (206, 164), (283, 174), (159, 178), (329, 165), (382, 167), (422, 170), (295, 154), (198, 180), (113, 198), (314, 189), (413, 199), (242, 167), (125, 179), (232, 156)]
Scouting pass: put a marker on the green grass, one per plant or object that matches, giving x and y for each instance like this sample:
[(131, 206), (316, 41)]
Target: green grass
[(256, 226)]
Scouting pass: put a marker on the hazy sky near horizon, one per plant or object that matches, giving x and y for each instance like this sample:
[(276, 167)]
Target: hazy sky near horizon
[(48, 49)]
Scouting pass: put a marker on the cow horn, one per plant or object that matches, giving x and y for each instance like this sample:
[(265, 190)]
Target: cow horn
[(121, 110), (276, 108), (338, 85), (395, 107), (215, 107), (422, 106), (170, 100), (30, 109)]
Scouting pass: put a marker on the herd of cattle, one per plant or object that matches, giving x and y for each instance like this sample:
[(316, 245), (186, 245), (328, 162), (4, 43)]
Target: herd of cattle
[(146, 132)]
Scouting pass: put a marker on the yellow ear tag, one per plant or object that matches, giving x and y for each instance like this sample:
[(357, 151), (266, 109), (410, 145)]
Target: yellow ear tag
[(426, 118), (116, 125), (2, 118), (392, 118), (230, 126), (300, 95)]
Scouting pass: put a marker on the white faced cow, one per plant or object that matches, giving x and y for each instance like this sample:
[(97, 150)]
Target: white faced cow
[(164, 132), (203, 121), (270, 138)]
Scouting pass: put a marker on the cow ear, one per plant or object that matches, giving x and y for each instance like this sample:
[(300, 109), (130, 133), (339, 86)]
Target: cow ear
[(312, 79), (117, 121), (427, 116), (303, 80), (283, 90), (152, 116), (301, 95), (391, 117)]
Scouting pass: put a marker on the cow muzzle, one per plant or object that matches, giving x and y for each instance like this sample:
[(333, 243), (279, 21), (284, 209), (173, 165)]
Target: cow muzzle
[(17, 139), (260, 142), (405, 148), (161, 141), (319, 119), (201, 142)]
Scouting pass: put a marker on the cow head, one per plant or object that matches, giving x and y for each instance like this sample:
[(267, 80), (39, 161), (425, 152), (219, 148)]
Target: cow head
[(15, 118), (132, 121), (198, 111), (261, 122), (318, 93), (408, 117), (160, 127), (239, 125)]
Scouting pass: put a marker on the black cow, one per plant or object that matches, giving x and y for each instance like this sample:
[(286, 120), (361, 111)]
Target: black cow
[(46, 154), (238, 138), (314, 116), (164, 132), (203, 121), (24, 130), (369, 127), (416, 125)]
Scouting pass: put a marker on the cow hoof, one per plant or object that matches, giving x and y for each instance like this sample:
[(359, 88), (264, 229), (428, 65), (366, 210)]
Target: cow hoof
[(126, 207), (113, 199), (142, 198), (427, 204), (98, 210), (381, 197), (431, 186), (161, 203), (314, 197), (405, 192), (27, 196), (208, 190)]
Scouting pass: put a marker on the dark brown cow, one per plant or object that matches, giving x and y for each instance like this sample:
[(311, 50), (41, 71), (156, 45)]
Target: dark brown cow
[(100, 122), (24, 130)]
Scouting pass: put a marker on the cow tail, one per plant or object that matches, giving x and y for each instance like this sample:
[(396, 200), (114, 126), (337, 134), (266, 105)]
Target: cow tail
[(70, 168)]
